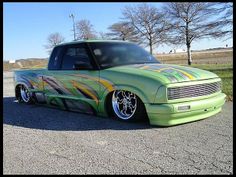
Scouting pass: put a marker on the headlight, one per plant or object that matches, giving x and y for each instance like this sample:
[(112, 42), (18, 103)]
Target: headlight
[(161, 95)]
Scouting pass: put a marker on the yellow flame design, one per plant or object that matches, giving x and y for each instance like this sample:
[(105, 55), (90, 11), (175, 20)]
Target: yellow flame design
[(85, 90), (183, 72), (107, 84), (144, 67)]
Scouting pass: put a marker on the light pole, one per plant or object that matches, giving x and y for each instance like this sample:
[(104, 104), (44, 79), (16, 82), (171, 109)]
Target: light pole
[(72, 16)]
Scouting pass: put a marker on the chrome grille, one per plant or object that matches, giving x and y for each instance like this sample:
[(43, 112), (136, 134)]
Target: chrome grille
[(193, 90)]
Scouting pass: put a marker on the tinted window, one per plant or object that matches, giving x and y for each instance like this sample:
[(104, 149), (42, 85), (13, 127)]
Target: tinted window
[(54, 61), (118, 53), (74, 55)]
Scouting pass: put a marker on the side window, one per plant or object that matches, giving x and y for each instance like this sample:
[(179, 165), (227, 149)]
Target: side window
[(54, 62), (74, 55)]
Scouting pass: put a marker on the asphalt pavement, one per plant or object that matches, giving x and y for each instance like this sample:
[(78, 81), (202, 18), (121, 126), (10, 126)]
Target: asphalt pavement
[(42, 140)]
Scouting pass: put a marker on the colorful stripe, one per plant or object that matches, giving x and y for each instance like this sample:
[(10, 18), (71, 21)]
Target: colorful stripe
[(107, 84), (144, 67), (86, 90), (181, 71)]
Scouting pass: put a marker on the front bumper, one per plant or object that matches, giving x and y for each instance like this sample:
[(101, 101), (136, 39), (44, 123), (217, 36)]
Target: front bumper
[(168, 114)]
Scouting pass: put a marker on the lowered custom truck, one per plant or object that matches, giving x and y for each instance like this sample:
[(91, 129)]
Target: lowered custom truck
[(122, 80)]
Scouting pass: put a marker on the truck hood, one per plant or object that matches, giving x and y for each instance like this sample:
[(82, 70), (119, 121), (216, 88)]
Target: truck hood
[(165, 73)]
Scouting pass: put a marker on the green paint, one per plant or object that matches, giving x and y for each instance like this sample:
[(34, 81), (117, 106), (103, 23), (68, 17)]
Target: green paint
[(88, 89)]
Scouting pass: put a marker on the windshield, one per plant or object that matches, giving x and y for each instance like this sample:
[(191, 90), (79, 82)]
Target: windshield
[(109, 54)]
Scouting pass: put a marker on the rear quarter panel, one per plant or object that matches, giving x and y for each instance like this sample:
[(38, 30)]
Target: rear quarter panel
[(30, 78)]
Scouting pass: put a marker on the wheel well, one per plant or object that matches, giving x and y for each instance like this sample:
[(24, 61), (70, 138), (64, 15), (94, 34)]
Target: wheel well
[(108, 106), (17, 91)]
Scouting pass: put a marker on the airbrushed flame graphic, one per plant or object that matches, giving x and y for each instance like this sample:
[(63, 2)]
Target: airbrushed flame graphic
[(165, 69), (68, 104), (181, 71), (36, 85), (26, 81), (45, 82), (105, 83), (57, 86), (87, 91), (32, 81), (83, 89)]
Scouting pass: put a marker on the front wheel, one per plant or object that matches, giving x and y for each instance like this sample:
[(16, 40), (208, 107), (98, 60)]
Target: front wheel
[(127, 106)]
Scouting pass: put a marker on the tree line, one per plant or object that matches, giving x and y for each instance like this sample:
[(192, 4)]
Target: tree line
[(174, 23)]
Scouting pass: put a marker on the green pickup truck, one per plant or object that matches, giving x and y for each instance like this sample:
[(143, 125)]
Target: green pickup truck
[(121, 80)]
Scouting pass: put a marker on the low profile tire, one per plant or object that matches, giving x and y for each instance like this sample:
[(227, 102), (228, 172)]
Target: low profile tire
[(24, 95), (127, 106)]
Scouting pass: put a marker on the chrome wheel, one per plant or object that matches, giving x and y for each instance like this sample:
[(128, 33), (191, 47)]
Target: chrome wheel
[(25, 95), (124, 104)]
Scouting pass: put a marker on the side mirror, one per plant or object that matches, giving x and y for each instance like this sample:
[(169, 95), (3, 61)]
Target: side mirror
[(82, 66)]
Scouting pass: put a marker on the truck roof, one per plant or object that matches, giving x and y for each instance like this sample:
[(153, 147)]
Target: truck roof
[(91, 40)]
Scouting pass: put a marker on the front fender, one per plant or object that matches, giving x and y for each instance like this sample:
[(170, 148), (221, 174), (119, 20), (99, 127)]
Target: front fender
[(137, 91), (144, 95)]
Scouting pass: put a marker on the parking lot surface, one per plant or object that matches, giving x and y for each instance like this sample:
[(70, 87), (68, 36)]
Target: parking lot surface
[(42, 140)]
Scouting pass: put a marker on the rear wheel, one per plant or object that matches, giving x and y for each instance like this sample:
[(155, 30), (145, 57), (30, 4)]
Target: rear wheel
[(127, 106), (25, 95)]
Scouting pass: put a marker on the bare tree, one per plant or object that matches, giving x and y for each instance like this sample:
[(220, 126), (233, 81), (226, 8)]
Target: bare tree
[(191, 21), (225, 21), (85, 30), (123, 31), (104, 36), (149, 23), (53, 40)]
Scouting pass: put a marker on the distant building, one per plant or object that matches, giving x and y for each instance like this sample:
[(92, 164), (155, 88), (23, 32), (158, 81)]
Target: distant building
[(177, 51)]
